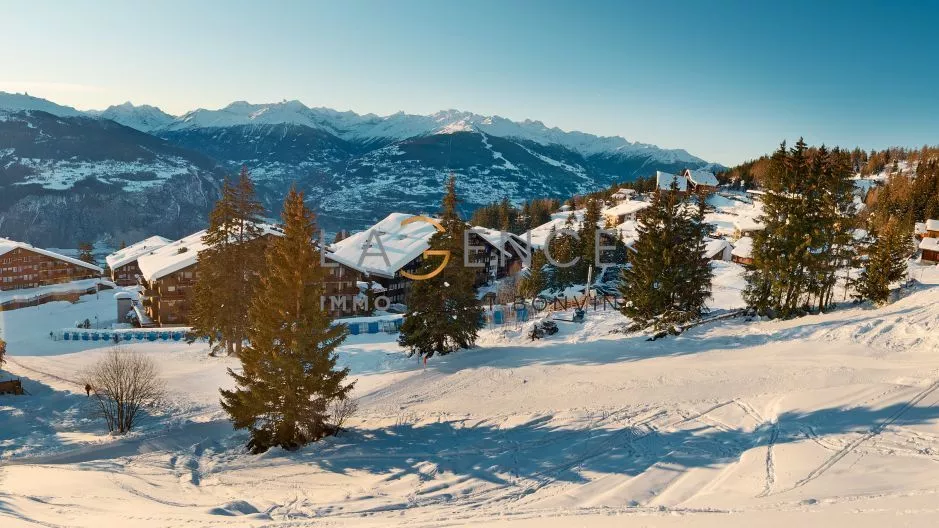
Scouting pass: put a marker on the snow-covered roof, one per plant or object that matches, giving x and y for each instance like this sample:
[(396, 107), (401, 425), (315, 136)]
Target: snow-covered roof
[(743, 248), (663, 181), (134, 251), (920, 228), (625, 208), (401, 245), (171, 257), (701, 177), (714, 246), (7, 245), (180, 254), (929, 244), (932, 225), (746, 223), (497, 239), (539, 235)]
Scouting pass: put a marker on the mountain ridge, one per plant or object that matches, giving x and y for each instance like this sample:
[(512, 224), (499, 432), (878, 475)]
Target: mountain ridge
[(351, 125), (354, 169)]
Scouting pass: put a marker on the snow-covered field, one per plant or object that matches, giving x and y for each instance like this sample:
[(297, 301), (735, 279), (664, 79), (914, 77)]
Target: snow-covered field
[(826, 420)]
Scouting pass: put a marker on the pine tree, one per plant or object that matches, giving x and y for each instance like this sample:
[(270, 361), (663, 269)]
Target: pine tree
[(808, 213), (229, 266), (86, 252), (535, 280), (886, 262), (565, 248), (289, 381), (588, 236), (667, 281), (443, 313)]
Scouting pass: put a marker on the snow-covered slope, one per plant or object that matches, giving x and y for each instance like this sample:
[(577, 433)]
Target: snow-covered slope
[(828, 420), (145, 118)]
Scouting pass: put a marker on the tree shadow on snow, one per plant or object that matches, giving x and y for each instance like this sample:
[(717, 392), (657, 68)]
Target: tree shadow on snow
[(540, 452)]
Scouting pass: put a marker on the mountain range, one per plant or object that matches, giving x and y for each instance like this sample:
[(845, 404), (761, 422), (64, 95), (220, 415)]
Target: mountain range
[(132, 171)]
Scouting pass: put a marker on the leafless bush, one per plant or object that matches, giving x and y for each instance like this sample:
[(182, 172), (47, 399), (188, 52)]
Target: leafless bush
[(341, 411), (3, 352), (123, 384), (508, 290)]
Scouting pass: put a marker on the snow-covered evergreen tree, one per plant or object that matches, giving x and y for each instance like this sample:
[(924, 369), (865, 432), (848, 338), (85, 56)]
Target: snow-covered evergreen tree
[(443, 313), (667, 281), (887, 262)]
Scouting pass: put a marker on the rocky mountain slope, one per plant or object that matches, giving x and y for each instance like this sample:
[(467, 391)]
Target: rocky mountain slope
[(354, 168)]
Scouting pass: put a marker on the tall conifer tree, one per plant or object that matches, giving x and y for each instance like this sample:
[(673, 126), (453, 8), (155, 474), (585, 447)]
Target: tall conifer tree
[(886, 262), (667, 281), (289, 379), (443, 313), (229, 266)]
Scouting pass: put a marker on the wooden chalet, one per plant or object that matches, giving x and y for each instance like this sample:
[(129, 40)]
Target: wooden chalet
[(718, 249), (390, 247), (624, 211), (169, 274), (502, 255), (24, 266), (383, 251), (932, 229), (700, 181), (743, 251), (668, 182), (929, 250), (123, 263)]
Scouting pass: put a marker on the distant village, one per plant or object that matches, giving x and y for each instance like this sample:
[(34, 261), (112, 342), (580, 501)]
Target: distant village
[(370, 261)]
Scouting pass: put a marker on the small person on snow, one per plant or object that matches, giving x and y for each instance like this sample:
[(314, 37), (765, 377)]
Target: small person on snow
[(88, 389)]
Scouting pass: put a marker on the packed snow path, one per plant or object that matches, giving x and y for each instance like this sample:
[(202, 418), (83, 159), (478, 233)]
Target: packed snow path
[(829, 419)]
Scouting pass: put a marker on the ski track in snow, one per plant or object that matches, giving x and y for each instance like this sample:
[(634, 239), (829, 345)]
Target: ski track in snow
[(732, 420)]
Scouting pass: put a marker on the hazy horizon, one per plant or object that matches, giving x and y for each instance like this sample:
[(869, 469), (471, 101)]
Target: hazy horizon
[(725, 81)]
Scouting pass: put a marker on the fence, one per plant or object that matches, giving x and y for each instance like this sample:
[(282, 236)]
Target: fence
[(120, 335), (125, 335), (523, 311), (385, 326)]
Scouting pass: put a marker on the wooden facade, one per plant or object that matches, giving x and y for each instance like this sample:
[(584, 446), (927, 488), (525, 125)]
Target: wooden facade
[(341, 283), (168, 299), (495, 264), (23, 267), (126, 275)]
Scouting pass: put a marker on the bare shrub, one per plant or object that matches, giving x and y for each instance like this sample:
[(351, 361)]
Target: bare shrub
[(123, 384), (508, 290), (3, 352), (342, 410)]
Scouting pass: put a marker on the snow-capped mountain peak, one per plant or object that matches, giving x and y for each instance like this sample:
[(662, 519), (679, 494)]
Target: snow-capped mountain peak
[(145, 118), (399, 126)]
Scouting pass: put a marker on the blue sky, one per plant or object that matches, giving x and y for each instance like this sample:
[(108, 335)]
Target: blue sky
[(726, 80)]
